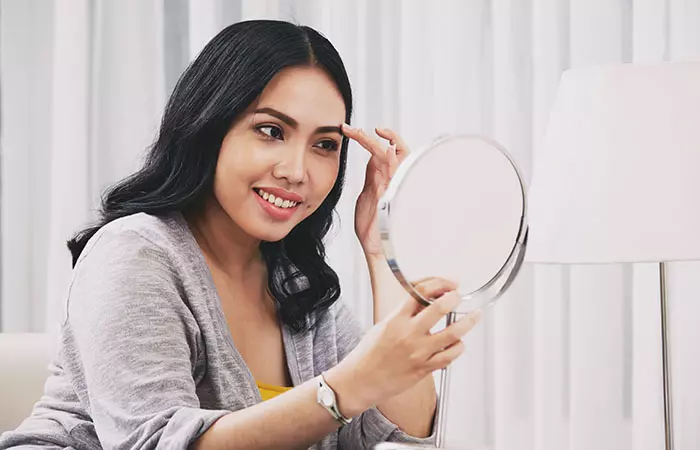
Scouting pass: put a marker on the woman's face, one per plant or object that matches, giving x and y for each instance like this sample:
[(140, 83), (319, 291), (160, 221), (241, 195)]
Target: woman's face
[(280, 159)]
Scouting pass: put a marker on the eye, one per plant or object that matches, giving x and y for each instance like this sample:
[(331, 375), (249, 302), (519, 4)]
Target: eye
[(328, 145), (271, 131)]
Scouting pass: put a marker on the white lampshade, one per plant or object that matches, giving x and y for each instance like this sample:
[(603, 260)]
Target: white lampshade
[(618, 176)]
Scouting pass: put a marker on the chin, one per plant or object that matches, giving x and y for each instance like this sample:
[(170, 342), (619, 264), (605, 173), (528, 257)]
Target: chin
[(272, 235)]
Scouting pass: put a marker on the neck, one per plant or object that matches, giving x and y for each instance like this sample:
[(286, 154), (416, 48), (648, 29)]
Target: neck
[(225, 245)]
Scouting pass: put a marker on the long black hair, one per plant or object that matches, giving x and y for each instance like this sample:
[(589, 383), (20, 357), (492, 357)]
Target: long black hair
[(227, 76)]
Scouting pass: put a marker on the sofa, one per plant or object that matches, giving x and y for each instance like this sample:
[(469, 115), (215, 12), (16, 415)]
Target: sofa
[(24, 363)]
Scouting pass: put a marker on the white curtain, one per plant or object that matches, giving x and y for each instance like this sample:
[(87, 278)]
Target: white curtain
[(569, 359)]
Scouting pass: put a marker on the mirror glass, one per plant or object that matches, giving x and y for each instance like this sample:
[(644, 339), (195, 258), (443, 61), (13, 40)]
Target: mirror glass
[(456, 210)]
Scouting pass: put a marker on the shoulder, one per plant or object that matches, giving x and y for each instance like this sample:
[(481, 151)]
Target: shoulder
[(138, 250), (145, 224), (159, 237), (131, 263)]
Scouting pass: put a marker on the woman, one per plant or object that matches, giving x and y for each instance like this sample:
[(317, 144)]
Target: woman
[(204, 288)]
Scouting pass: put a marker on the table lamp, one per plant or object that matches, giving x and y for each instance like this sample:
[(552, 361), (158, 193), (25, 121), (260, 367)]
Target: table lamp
[(617, 179)]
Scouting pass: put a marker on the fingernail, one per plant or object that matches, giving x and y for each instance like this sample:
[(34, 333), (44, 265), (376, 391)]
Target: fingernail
[(347, 127)]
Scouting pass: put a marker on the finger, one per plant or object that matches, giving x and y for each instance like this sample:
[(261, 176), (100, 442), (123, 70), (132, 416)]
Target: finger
[(431, 315), (373, 167), (410, 307), (393, 160), (367, 142), (454, 332), (381, 158), (402, 149), (445, 357), (434, 287), (422, 280), (397, 151), (430, 288)]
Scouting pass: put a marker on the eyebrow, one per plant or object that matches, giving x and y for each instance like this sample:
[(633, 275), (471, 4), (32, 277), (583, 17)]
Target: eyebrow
[(293, 123)]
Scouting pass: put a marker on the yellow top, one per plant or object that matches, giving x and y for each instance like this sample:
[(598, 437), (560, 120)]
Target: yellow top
[(268, 391)]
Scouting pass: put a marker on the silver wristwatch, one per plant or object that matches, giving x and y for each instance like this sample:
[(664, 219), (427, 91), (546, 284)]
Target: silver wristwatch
[(326, 398)]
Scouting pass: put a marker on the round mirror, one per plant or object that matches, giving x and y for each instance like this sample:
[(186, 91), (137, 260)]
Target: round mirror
[(456, 210)]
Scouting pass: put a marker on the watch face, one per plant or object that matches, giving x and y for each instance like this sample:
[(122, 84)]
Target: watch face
[(327, 397)]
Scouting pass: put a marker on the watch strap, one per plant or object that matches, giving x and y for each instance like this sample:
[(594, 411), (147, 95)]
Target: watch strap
[(325, 393)]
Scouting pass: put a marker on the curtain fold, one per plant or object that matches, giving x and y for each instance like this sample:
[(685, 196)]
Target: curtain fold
[(568, 359)]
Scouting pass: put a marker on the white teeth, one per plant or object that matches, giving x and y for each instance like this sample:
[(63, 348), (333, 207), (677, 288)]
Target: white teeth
[(280, 203)]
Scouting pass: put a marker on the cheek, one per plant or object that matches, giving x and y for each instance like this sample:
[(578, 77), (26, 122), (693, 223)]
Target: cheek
[(236, 169), (241, 163), (326, 176), (227, 191), (228, 177)]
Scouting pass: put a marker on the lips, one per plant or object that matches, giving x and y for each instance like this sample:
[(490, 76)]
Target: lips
[(280, 202), (280, 193), (278, 210)]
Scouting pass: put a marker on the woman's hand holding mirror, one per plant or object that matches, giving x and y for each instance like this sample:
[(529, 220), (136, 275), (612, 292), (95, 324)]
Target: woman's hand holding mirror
[(400, 351)]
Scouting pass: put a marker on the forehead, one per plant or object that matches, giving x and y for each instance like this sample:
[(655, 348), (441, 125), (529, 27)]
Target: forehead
[(307, 94)]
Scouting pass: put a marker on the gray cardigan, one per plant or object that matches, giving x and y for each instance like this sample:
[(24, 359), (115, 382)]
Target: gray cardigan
[(147, 361)]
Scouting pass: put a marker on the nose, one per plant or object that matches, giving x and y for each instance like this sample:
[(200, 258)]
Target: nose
[(291, 165)]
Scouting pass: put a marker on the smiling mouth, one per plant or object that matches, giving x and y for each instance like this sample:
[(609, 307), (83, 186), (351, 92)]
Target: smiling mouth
[(276, 201)]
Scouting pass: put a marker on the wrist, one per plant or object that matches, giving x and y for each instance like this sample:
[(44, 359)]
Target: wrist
[(386, 288), (352, 397), (376, 261)]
